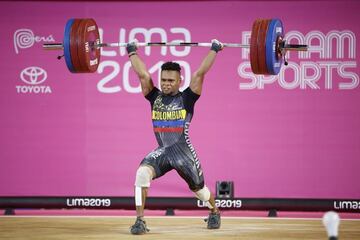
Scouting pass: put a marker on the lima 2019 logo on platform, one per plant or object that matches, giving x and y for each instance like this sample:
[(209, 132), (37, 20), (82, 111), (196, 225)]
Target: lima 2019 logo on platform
[(34, 77)]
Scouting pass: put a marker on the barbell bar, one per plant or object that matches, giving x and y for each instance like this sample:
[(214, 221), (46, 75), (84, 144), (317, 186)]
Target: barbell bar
[(287, 47), (81, 46)]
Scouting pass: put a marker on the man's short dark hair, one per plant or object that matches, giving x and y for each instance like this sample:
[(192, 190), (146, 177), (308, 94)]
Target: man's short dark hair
[(171, 66)]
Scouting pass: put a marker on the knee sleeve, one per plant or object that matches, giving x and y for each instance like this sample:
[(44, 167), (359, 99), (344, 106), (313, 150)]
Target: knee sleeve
[(203, 194), (143, 177)]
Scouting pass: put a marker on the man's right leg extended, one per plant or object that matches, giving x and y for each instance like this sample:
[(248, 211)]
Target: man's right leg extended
[(214, 219)]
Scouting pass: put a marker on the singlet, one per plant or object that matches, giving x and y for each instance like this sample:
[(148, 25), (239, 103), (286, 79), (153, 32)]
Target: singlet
[(171, 115)]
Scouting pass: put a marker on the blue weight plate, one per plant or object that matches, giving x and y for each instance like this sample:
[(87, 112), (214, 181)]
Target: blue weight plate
[(273, 62), (66, 44)]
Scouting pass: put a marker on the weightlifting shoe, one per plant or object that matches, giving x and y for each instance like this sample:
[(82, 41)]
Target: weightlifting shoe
[(213, 220), (139, 227)]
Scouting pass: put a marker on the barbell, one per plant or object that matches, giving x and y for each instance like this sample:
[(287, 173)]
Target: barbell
[(81, 46)]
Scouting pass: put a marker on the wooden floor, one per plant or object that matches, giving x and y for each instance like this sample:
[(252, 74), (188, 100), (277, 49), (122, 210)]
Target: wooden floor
[(103, 228)]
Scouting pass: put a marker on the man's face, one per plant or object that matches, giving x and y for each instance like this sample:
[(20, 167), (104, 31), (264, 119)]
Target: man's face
[(170, 82)]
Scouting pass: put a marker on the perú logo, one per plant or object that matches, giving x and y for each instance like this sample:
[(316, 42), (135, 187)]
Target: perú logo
[(33, 77), (25, 38)]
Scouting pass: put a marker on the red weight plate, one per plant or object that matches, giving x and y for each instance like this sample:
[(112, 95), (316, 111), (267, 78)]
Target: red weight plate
[(89, 55), (261, 43), (73, 46), (93, 38), (80, 47), (254, 46)]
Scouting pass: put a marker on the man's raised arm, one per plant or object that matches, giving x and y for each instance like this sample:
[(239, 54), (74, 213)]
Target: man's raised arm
[(198, 76), (140, 69)]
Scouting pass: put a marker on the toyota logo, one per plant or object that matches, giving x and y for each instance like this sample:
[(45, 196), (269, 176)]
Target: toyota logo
[(33, 75)]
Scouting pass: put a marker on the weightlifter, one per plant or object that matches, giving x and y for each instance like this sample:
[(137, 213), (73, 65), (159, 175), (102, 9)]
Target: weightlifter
[(172, 111)]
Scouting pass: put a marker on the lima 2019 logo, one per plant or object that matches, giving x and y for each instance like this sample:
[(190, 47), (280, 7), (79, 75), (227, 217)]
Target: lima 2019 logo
[(33, 77)]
